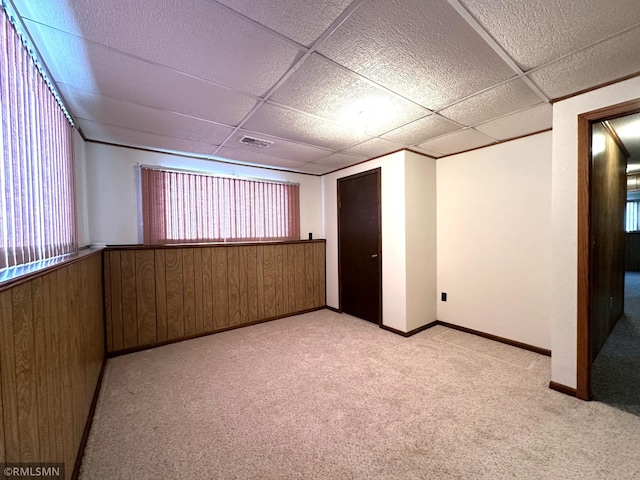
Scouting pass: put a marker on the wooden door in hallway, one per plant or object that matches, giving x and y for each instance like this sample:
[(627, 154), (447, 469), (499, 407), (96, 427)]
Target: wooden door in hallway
[(359, 245), (601, 199)]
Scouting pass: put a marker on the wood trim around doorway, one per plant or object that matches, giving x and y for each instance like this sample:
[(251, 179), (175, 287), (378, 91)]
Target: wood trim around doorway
[(585, 120)]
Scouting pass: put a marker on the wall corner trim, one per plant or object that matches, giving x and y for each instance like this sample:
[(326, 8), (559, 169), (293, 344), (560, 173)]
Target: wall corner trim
[(410, 332), (87, 426), (558, 387)]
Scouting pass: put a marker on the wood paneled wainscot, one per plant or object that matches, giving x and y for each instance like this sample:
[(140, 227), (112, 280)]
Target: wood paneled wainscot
[(156, 295), (51, 355)]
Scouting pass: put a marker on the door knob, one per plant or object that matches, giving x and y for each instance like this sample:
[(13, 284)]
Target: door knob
[(375, 255)]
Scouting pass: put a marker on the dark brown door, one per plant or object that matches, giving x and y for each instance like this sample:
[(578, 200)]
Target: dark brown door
[(359, 245), (608, 199)]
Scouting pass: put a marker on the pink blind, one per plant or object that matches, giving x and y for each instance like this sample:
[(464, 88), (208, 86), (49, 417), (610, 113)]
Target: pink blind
[(36, 169), (180, 207)]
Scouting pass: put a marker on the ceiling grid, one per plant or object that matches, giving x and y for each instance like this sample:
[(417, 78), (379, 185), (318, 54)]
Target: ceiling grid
[(330, 83)]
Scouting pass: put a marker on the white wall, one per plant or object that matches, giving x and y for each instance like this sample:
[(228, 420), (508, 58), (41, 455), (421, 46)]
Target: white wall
[(420, 197), (112, 198), (494, 239), (80, 180), (564, 195), (393, 235)]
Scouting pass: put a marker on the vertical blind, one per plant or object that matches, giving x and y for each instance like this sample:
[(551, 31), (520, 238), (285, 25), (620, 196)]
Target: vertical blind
[(632, 217), (180, 207), (36, 167)]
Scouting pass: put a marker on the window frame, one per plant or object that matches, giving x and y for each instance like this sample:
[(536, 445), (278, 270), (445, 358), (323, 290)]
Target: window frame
[(245, 217)]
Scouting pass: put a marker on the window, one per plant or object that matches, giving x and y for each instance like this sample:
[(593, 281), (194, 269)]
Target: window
[(36, 164), (631, 216), (179, 207)]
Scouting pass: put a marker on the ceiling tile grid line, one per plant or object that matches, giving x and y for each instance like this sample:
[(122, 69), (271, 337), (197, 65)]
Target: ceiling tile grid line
[(483, 91), (325, 80), (164, 110), (582, 49), (372, 83), (259, 25), (436, 113), (424, 50), (339, 21), (470, 19), (515, 112), (81, 119), (276, 137), (341, 125), (150, 62)]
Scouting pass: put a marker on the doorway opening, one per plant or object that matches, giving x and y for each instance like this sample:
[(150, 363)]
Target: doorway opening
[(602, 195)]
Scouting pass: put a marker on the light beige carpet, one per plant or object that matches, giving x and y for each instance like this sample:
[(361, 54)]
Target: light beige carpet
[(328, 396)]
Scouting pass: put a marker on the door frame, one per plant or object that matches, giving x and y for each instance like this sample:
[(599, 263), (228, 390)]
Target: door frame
[(585, 121), (378, 172)]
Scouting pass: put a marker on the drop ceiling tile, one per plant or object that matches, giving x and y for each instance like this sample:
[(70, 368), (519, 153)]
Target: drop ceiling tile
[(605, 62), (321, 88), (501, 100), (421, 130), (335, 162), (257, 158), (203, 38), (128, 115), (521, 123), (300, 20), (408, 47), (537, 31), (280, 148), (133, 138), (339, 160), (430, 153), (92, 67), (316, 169), (296, 126), (455, 142), (374, 148)]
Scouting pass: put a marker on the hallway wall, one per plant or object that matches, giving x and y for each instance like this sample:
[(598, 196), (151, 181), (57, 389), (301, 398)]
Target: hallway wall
[(494, 239)]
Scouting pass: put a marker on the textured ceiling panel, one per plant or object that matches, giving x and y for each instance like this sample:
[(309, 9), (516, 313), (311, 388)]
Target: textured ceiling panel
[(300, 20), (124, 136), (421, 130), (299, 127), (506, 98), (279, 148), (537, 31), (90, 67), (339, 160), (128, 115), (374, 148), (178, 76), (345, 98), (456, 142), (318, 169), (203, 39), (407, 47), (521, 123), (599, 64), (259, 159), (431, 153)]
